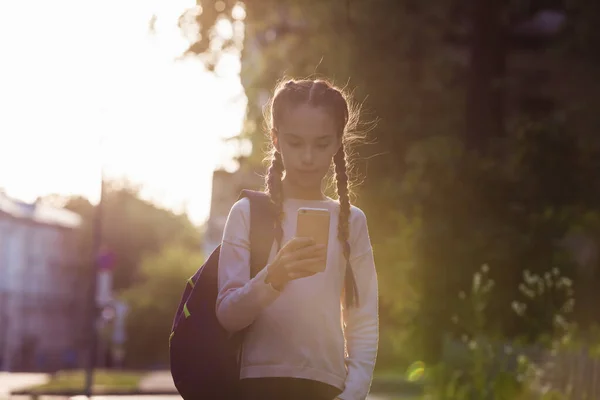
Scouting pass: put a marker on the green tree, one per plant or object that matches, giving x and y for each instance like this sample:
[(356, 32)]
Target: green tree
[(131, 228), (153, 302), (442, 79)]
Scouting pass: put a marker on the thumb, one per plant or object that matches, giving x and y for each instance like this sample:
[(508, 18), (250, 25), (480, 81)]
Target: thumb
[(294, 275)]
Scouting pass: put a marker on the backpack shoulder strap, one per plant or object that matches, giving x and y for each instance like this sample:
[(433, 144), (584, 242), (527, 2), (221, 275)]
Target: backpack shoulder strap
[(262, 224)]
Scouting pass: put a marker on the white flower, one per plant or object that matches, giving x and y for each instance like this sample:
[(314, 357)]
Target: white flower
[(529, 278), (540, 286), (564, 281), (548, 279), (545, 389), (568, 306), (489, 286), (560, 320), (526, 291), (476, 282), (519, 308)]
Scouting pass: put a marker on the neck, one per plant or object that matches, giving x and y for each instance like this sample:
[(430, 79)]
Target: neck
[(295, 192)]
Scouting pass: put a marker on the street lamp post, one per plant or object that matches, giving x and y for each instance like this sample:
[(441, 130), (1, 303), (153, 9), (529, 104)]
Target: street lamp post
[(93, 307)]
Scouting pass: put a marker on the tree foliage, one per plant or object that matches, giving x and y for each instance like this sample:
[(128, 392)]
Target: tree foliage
[(485, 146), (155, 252), (153, 302), (131, 229)]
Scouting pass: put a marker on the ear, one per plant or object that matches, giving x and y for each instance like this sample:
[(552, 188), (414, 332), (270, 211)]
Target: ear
[(275, 139)]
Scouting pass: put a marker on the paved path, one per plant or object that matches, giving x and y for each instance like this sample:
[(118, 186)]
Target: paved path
[(162, 380), (165, 398), (157, 381), (140, 398), (16, 381)]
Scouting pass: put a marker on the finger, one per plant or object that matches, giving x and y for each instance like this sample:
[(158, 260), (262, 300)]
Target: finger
[(309, 251), (303, 265), (285, 259), (299, 243), (301, 274)]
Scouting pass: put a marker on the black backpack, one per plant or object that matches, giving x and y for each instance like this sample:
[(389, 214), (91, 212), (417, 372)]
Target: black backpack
[(204, 358)]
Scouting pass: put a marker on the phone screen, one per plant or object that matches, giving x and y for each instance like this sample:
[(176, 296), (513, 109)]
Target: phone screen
[(314, 223)]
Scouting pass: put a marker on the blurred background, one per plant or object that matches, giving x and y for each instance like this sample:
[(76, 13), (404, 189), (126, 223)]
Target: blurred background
[(128, 128)]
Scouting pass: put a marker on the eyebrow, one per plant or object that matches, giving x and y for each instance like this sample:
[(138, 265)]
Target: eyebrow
[(296, 136)]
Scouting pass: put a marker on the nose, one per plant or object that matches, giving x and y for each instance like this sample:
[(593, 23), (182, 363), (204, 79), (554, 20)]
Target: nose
[(308, 155)]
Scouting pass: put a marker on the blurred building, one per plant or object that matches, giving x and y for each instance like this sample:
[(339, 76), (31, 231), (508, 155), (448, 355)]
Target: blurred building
[(226, 188), (41, 298)]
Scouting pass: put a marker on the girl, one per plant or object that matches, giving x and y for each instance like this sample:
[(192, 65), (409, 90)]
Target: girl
[(302, 342)]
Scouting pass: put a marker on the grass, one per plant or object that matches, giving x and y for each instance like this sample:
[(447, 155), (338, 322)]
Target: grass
[(407, 398), (125, 382), (104, 381), (389, 374), (394, 385)]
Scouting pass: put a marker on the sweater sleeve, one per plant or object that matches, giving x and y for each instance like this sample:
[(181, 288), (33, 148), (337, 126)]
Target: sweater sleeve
[(240, 299), (361, 322)]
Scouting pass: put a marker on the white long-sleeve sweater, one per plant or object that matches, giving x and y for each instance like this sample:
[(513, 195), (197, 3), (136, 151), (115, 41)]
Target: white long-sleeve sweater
[(298, 332)]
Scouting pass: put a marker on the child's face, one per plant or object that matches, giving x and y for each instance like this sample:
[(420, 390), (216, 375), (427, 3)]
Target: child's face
[(307, 141)]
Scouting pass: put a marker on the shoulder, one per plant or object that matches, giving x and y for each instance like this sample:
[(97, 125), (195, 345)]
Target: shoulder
[(240, 212), (358, 223), (359, 233), (237, 225), (357, 216), (241, 206)]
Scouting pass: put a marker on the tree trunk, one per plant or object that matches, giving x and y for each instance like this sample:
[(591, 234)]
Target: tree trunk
[(485, 91)]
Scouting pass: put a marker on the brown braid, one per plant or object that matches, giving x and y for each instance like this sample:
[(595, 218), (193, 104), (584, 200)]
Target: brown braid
[(318, 93), (275, 190), (341, 178)]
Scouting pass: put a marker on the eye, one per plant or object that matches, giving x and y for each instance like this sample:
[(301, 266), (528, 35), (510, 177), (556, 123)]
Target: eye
[(323, 145), (295, 143)]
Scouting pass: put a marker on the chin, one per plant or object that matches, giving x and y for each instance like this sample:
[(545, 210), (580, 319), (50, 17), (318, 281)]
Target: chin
[(306, 183)]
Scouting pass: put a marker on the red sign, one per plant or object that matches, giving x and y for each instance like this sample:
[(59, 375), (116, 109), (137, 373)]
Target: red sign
[(106, 260)]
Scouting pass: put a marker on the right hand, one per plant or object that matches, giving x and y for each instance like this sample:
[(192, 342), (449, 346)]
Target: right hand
[(293, 261)]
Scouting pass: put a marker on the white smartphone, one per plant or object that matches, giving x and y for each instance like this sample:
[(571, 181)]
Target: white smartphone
[(314, 223)]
